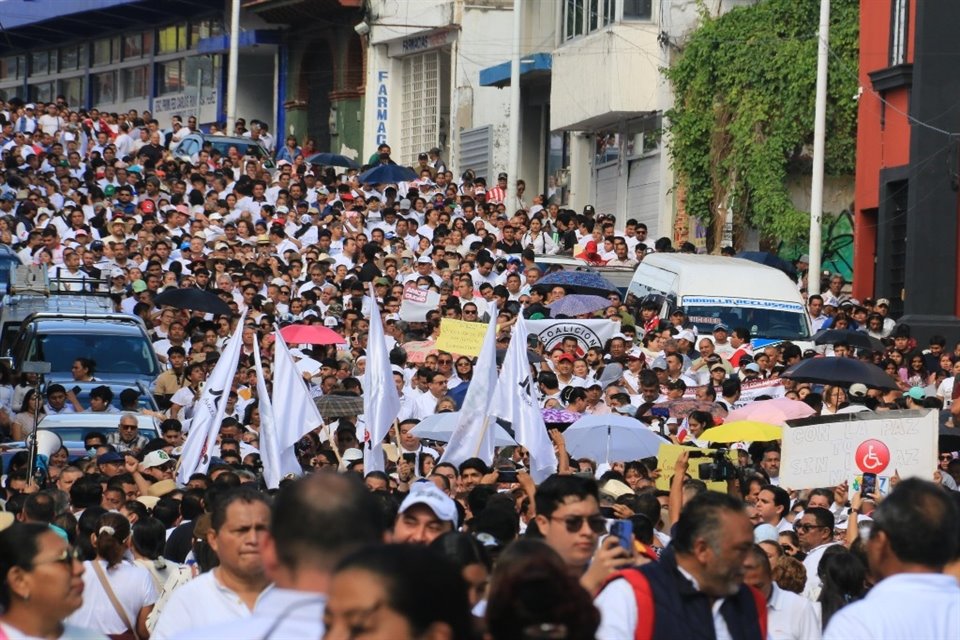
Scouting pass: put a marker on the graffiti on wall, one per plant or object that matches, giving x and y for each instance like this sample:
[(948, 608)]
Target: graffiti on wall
[(836, 248)]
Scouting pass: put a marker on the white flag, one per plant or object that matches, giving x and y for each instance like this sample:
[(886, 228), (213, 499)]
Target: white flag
[(473, 437), (209, 410), (515, 406), (381, 402), (279, 458)]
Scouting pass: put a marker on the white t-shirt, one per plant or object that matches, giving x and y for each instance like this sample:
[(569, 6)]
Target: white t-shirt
[(202, 602), (70, 632), (132, 586)]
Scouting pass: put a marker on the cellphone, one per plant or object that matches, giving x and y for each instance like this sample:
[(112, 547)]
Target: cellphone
[(506, 475), (607, 512), (623, 529), (868, 485), (410, 457)]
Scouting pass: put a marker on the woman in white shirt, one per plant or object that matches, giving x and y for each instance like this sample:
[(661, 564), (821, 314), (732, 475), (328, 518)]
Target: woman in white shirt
[(147, 543), (537, 239), (131, 585)]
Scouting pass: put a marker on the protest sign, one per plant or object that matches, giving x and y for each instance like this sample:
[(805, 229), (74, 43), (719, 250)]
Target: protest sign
[(461, 338), (825, 451), (667, 459), (589, 333), (750, 390), (416, 303)]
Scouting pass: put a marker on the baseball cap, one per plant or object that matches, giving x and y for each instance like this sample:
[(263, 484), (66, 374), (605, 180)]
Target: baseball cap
[(659, 363), (858, 390), (108, 457), (720, 327), (156, 458), (424, 260), (687, 335), (567, 357), (883, 302), (753, 366), (139, 286), (426, 493), (916, 393)]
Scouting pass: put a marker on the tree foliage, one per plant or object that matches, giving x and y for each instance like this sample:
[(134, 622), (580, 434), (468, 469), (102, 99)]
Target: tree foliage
[(745, 86)]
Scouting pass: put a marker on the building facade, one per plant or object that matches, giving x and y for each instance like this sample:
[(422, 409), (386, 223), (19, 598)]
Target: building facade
[(908, 172)]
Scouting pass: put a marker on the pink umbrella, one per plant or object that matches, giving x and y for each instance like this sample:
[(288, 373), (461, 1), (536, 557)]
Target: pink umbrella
[(776, 411), (311, 334)]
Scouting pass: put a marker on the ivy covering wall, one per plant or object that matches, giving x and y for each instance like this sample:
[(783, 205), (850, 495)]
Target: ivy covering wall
[(745, 85)]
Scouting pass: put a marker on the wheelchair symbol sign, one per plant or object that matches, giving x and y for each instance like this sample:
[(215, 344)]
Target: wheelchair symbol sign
[(872, 456)]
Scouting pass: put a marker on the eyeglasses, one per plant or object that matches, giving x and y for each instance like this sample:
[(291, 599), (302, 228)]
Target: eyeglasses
[(445, 361), (803, 527), (127, 427), (67, 557), (597, 523)]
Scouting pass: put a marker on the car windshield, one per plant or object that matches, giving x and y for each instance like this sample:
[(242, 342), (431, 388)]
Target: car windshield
[(768, 324), (112, 354), (223, 147)]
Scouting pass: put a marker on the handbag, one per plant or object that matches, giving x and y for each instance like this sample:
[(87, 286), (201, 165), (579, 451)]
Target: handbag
[(131, 632)]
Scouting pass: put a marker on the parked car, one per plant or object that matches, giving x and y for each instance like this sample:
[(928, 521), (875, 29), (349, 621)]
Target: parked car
[(117, 343), (191, 144), (75, 426)]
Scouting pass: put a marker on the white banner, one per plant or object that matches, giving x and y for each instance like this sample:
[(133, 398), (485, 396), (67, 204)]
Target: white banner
[(749, 391), (416, 304), (825, 451), (589, 333), (185, 104)]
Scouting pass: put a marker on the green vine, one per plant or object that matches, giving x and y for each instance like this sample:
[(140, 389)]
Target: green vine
[(745, 84)]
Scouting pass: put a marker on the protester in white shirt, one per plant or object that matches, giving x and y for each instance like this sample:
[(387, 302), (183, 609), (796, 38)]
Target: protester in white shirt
[(789, 616), (815, 530), (231, 590), (913, 536)]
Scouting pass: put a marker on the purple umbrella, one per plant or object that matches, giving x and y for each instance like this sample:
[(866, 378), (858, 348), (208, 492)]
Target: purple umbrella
[(577, 305), (559, 416)]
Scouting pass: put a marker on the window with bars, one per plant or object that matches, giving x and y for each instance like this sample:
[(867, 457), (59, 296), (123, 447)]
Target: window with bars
[(420, 111)]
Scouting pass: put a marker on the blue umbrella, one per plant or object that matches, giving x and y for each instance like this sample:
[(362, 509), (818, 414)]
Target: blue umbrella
[(770, 260), (585, 282), (388, 174), (332, 160), (577, 305)]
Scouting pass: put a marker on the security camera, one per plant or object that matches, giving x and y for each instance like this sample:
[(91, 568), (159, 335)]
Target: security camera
[(362, 28)]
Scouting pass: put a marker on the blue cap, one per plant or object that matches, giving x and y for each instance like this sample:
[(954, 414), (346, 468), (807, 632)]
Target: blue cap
[(109, 456), (721, 327)]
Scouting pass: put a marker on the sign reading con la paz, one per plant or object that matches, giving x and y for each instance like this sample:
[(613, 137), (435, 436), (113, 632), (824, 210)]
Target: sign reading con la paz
[(825, 451)]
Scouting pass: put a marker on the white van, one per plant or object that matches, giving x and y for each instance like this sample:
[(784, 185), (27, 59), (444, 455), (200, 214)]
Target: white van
[(715, 289)]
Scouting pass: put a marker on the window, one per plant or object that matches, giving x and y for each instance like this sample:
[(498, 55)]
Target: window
[(899, 31), (172, 39), (198, 65), (13, 68), (204, 29), (72, 90), (609, 11), (104, 87), (41, 92), (421, 103), (637, 9), (101, 51), (170, 77), (40, 63), (573, 19), (134, 82), (70, 58), (133, 46), (593, 15)]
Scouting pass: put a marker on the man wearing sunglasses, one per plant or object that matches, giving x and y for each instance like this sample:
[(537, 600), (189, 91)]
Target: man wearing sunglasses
[(568, 516), (815, 531)]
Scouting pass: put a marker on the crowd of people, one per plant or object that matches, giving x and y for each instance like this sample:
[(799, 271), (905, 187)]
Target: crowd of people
[(112, 545)]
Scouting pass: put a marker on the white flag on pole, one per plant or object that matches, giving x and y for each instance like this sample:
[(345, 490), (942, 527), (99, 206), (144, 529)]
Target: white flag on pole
[(209, 410), (381, 402), (276, 423), (473, 437), (515, 406)]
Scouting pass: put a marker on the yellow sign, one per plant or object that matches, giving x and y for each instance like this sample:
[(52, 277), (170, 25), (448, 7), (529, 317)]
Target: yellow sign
[(667, 460), (461, 338)]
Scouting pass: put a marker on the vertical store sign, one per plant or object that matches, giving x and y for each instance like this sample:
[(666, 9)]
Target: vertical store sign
[(382, 102)]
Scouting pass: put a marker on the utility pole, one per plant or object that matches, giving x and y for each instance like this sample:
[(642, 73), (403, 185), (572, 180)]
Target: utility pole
[(819, 134), (232, 66), (513, 162)]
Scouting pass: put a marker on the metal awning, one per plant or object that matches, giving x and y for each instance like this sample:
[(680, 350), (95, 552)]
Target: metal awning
[(531, 66), (30, 25)]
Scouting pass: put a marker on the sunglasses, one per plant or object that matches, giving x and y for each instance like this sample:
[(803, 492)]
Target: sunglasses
[(805, 528), (946, 456), (597, 523), (445, 361)]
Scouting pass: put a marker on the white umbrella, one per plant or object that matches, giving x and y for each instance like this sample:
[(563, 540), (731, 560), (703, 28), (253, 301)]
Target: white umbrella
[(611, 438), (440, 427)]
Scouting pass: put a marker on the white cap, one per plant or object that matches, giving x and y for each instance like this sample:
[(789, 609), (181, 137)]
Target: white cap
[(426, 493), (155, 459), (350, 455), (687, 335)]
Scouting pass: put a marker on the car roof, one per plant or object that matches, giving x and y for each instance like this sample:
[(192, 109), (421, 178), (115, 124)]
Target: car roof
[(88, 420), (103, 326), (721, 276)]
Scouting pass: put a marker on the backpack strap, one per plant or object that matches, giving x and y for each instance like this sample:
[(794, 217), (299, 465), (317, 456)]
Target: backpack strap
[(644, 597), (761, 603)]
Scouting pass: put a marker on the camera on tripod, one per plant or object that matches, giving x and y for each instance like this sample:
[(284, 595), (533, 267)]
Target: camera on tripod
[(719, 469)]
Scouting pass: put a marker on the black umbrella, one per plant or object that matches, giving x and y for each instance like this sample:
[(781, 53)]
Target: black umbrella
[(387, 174), (332, 160), (840, 371), (193, 299), (856, 339), (334, 405)]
